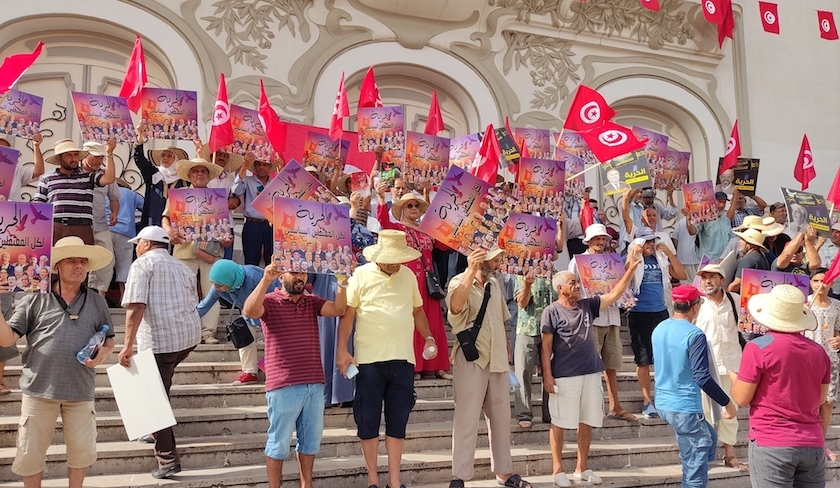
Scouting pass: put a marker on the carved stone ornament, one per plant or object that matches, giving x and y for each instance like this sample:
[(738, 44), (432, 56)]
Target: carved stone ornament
[(550, 60)]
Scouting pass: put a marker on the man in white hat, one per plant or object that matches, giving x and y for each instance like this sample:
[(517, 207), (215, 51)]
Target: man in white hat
[(109, 194), (784, 378), (751, 255), (159, 176), (25, 174), (257, 233), (70, 190), (384, 300), (57, 326)]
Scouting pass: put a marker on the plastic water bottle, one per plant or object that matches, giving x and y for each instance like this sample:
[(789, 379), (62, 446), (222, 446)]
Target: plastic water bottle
[(427, 353), (514, 383), (90, 350)]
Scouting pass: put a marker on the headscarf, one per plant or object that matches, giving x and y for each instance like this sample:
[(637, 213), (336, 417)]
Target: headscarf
[(227, 273), (170, 174)]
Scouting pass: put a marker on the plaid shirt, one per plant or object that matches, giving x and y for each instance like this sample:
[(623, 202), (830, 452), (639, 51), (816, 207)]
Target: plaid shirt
[(738, 218)]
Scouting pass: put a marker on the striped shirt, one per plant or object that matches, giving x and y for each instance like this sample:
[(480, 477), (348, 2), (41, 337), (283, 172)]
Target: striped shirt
[(71, 195)]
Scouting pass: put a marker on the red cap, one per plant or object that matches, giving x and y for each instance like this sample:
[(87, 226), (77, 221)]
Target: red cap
[(685, 294)]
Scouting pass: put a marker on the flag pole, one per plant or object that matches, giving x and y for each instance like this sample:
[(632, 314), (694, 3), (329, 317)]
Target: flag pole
[(816, 292), (569, 178)]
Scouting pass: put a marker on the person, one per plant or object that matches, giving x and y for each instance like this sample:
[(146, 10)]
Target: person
[(791, 259), (688, 251), (384, 300), (649, 218), (103, 196), (25, 174), (57, 326), (614, 183), (828, 250), (639, 201), (257, 233), (481, 385), (569, 354), (741, 209), (784, 378), (159, 176), (123, 230), (156, 318), (713, 235), (682, 371), (726, 182), (70, 190), (294, 385), (717, 318), (751, 251), (779, 212)]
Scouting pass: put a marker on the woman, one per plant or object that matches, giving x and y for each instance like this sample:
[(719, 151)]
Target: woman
[(407, 210)]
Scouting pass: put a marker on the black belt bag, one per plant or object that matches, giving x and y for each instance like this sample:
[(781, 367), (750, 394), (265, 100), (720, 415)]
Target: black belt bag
[(467, 337)]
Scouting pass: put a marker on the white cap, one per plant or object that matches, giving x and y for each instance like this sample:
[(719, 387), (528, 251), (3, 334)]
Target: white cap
[(151, 233)]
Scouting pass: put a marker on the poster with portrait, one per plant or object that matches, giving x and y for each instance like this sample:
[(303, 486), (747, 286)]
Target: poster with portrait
[(8, 163), (169, 114), (674, 173), (462, 150), (248, 134), (743, 176), (510, 151), (200, 214), (297, 135), (573, 143), (427, 159), (628, 171), (656, 148), (382, 126), (359, 182), (699, 198), (26, 231), (20, 114), (806, 209), (324, 154), (529, 243), (312, 237), (574, 166), (600, 273), (291, 182), (755, 281), (542, 184), (103, 117), (538, 141)]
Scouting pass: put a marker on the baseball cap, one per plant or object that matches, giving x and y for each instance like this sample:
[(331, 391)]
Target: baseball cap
[(685, 294), (775, 206), (721, 196), (152, 233)]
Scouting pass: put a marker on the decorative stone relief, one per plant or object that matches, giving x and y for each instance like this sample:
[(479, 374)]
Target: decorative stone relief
[(550, 60)]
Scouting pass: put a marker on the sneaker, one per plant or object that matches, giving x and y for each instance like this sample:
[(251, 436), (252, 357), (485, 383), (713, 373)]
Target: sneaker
[(210, 340), (560, 479), (246, 379), (589, 476), (649, 411), (148, 439), (167, 472)]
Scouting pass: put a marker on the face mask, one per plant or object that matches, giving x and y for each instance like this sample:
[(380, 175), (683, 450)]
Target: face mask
[(170, 175)]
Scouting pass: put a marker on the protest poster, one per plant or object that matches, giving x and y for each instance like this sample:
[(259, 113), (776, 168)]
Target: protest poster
[(625, 172), (200, 214), (325, 154), (8, 163), (141, 399), (20, 114), (573, 165), (755, 281), (743, 176), (462, 150), (248, 134), (427, 159), (103, 117), (538, 141), (291, 182), (26, 231), (728, 265), (312, 237), (541, 186), (806, 209), (699, 198), (573, 143), (297, 134), (359, 182), (600, 273), (169, 114), (674, 173), (510, 151), (529, 244), (382, 126), (656, 148)]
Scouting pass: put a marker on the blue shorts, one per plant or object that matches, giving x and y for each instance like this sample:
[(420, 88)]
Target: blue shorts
[(299, 408)]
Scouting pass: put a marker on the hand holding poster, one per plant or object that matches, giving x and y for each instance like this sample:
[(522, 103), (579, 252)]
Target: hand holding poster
[(806, 209), (20, 114), (325, 154), (8, 163), (102, 117), (625, 172), (674, 174), (382, 126), (200, 214), (291, 182), (26, 235), (248, 134), (743, 176), (312, 237), (462, 150), (538, 141), (169, 114), (541, 186), (427, 159), (700, 201), (529, 243), (600, 273), (755, 281)]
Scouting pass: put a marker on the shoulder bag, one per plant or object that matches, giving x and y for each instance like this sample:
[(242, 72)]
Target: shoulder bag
[(238, 332), (467, 337), (432, 281)]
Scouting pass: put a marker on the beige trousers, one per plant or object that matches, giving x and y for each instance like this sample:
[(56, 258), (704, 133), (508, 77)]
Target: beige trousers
[(727, 429), (210, 321), (249, 355)]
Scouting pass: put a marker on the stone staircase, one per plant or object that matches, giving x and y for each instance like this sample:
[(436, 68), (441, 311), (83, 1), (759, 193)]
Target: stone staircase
[(221, 436)]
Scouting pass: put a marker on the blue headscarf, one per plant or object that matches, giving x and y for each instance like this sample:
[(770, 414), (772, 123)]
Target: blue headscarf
[(227, 273)]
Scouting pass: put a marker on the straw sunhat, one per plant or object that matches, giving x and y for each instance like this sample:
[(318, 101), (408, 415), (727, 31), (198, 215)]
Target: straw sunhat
[(234, 160), (767, 225), (95, 148), (274, 164), (390, 249), (74, 247), (65, 146), (184, 166), (752, 236), (782, 310), (156, 155), (397, 207), (317, 174)]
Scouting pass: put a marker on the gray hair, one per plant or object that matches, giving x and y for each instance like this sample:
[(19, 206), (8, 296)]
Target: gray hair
[(561, 278)]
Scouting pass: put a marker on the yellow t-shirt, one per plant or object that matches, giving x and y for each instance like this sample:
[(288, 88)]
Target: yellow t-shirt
[(384, 313)]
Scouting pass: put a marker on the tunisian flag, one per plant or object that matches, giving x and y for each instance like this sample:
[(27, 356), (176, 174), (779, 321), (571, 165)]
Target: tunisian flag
[(434, 122), (15, 65), (834, 192), (733, 150), (274, 128), (769, 16), (804, 170), (341, 110), (369, 92), (650, 5), (828, 29), (221, 133), (611, 140), (588, 110), (486, 163), (135, 77)]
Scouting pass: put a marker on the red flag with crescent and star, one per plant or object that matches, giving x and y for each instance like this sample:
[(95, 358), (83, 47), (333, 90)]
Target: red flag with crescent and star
[(804, 170), (221, 133), (733, 150)]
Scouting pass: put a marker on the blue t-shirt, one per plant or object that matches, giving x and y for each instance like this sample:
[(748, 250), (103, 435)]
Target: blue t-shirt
[(651, 296), (573, 343), (676, 388)]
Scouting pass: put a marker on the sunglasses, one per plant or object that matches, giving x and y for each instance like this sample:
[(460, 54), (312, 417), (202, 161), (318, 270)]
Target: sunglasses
[(412, 205)]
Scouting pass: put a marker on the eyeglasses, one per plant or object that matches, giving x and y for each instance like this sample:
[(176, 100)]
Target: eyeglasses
[(412, 205)]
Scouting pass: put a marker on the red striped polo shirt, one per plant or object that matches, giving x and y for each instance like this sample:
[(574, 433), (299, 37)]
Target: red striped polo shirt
[(292, 345)]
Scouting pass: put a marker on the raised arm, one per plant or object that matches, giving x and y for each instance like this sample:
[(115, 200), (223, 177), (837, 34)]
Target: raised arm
[(676, 268), (462, 294), (790, 249), (38, 168), (110, 174), (811, 251), (523, 298), (625, 209), (338, 307)]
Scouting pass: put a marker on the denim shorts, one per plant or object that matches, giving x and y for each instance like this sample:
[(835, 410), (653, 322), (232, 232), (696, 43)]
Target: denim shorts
[(298, 408), (388, 382)]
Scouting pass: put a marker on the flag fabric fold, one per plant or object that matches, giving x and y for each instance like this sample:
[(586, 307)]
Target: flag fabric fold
[(733, 150), (833, 271), (769, 17), (828, 29), (221, 132), (434, 122), (611, 140), (727, 27), (713, 11), (588, 110), (804, 170), (15, 65), (650, 4), (340, 111), (369, 92), (135, 77), (486, 163), (274, 128), (833, 195), (513, 168)]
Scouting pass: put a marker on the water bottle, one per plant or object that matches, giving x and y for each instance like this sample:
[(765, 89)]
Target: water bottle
[(427, 353), (92, 347), (514, 383)]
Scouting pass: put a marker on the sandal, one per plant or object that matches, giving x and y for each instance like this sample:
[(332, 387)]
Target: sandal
[(445, 375), (733, 462), (4, 390), (622, 414), (829, 455), (525, 424), (515, 481)]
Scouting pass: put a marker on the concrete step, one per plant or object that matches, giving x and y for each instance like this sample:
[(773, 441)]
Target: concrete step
[(203, 353)]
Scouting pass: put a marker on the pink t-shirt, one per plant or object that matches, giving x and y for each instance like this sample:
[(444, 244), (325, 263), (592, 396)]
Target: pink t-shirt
[(789, 370)]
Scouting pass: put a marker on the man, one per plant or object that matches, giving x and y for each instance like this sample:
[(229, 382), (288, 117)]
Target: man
[(125, 229), (102, 195), (791, 259), (294, 386), (779, 212), (682, 371), (483, 384), (784, 378), (614, 183), (688, 252), (384, 300), (606, 331), (713, 235), (750, 255), (160, 320), (727, 180), (70, 190), (828, 252), (649, 218), (57, 326), (740, 209), (718, 320), (159, 176), (25, 174), (257, 233), (569, 354)]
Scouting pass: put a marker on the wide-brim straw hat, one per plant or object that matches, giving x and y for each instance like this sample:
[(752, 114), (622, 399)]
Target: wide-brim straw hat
[(397, 207), (753, 236), (343, 184), (767, 225), (782, 310), (184, 166), (74, 247), (391, 248), (156, 155), (235, 161), (317, 174), (65, 146), (274, 165)]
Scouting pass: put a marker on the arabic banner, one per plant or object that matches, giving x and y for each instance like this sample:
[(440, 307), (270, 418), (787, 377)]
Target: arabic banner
[(169, 114), (699, 198), (248, 134), (743, 176), (200, 214), (656, 148), (382, 126), (312, 237), (538, 141), (541, 185), (323, 153), (674, 173), (462, 150), (20, 114), (102, 117), (8, 163), (427, 158), (572, 142), (291, 182), (628, 171), (25, 246), (600, 273), (573, 165), (755, 281), (529, 244), (806, 209)]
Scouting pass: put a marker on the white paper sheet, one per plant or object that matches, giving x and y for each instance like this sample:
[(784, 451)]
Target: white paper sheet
[(140, 396)]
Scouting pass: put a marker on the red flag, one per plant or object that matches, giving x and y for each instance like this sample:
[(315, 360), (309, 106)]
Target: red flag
[(769, 16), (513, 168), (135, 77), (713, 11), (733, 150), (221, 134), (434, 123), (369, 92), (587, 214), (15, 65), (274, 129), (828, 29), (341, 110), (523, 149), (650, 5), (611, 140), (727, 27), (486, 163), (834, 192), (588, 110), (833, 271), (297, 134), (804, 170)]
